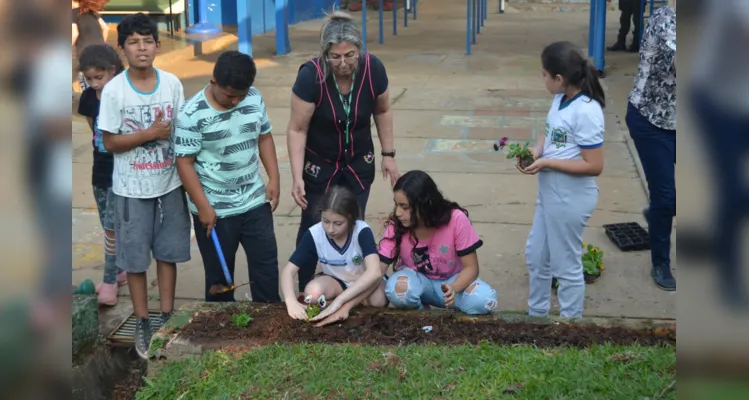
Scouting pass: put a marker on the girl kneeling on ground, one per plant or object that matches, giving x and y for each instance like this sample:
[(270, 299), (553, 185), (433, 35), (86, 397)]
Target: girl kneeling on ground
[(345, 247), (432, 245)]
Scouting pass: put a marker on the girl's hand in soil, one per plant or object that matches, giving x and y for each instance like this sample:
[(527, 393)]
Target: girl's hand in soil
[(449, 294), (296, 310), (533, 168), (338, 316), (334, 306)]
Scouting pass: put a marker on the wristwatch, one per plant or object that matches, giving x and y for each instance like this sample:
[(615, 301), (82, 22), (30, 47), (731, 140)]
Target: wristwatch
[(388, 153)]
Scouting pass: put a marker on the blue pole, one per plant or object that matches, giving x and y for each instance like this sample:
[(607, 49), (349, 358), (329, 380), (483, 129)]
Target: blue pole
[(469, 27), (203, 27), (363, 26), (479, 15), (244, 27), (415, 3), (598, 56), (283, 46), (381, 27), (591, 28), (483, 11), (473, 22), (395, 19)]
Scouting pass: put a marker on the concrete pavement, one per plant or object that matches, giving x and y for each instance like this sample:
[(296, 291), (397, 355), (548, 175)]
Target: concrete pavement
[(448, 108)]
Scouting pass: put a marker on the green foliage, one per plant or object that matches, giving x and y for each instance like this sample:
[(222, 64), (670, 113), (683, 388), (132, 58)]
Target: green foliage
[(592, 259), (313, 310), (516, 150), (241, 320)]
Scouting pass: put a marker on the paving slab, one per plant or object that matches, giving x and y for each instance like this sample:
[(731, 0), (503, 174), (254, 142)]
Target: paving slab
[(449, 109)]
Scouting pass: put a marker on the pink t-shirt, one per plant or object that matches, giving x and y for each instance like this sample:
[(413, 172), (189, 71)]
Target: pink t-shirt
[(439, 257)]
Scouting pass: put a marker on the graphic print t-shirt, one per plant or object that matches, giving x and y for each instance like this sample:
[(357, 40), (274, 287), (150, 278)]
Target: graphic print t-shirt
[(147, 171), (225, 146), (101, 173), (572, 125), (439, 257)]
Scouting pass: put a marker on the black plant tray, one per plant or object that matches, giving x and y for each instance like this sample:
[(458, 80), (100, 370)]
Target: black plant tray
[(628, 236)]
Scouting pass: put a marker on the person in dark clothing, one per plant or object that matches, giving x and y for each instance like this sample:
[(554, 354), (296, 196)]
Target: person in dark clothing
[(631, 10), (329, 135)]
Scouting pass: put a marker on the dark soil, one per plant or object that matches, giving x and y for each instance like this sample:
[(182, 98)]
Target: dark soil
[(526, 162), (272, 324), (128, 387)]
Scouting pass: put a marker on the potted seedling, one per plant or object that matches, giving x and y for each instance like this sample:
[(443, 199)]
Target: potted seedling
[(314, 309), (592, 264), (520, 152)]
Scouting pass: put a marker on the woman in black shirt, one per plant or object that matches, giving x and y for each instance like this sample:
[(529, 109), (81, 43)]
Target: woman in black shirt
[(329, 135)]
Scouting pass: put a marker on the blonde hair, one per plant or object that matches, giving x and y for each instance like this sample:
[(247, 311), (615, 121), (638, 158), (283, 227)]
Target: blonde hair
[(339, 27)]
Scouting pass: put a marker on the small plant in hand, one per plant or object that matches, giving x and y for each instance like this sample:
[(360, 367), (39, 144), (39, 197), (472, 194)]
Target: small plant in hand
[(592, 264), (241, 320), (520, 152), (314, 309)]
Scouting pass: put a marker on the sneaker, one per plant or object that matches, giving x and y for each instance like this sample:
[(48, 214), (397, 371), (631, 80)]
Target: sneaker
[(663, 278), (142, 337), (108, 294), (122, 278), (165, 317)]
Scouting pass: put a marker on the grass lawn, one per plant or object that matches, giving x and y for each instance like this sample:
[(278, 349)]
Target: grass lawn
[(420, 372)]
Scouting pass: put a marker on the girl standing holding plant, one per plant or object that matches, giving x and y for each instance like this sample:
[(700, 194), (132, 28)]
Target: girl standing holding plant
[(432, 244), (567, 159), (345, 247)]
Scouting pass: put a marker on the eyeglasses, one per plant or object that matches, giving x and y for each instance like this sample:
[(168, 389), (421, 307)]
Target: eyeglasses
[(351, 60)]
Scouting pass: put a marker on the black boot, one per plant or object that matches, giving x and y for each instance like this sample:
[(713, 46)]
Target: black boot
[(618, 46), (663, 278), (635, 47)]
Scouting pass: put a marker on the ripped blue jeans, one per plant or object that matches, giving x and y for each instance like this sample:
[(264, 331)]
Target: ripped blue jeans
[(477, 298)]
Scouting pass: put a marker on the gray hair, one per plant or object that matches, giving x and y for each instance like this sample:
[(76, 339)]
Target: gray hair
[(339, 27)]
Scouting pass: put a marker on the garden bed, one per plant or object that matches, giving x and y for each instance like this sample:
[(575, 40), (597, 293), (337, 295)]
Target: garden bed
[(387, 327)]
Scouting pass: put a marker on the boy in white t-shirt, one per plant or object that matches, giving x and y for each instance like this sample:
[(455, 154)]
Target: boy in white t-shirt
[(150, 206), (567, 159)]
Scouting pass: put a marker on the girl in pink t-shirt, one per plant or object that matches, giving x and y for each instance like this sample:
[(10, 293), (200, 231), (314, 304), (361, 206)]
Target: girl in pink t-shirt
[(432, 245)]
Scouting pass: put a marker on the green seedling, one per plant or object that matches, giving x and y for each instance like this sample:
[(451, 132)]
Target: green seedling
[(314, 309), (241, 320)]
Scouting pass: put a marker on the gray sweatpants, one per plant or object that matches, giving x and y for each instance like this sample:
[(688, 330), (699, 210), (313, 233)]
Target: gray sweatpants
[(554, 246)]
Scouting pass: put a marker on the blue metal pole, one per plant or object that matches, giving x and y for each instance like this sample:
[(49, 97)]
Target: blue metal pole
[(244, 27), (469, 27), (363, 26), (203, 27), (480, 15), (395, 19), (381, 18), (598, 57), (283, 46), (336, 5), (591, 28), (483, 11), (415, 4), (473, 22)]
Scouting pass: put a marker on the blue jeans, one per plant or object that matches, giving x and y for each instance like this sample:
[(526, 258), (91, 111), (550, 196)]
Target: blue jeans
[(725, 137), (478, 298), (656, 148)]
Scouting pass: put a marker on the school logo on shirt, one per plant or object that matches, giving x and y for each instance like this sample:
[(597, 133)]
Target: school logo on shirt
[(357, 259), (559, 137)]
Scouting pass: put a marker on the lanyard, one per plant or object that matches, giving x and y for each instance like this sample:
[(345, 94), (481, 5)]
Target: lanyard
[(346, 104)]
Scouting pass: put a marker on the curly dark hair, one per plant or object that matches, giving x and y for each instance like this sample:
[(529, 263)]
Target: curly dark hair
[(429, 208), (234, 70), (100, 57), (137, 23)]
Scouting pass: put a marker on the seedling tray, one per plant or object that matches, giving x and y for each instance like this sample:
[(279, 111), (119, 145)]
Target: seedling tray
[(628, 236)]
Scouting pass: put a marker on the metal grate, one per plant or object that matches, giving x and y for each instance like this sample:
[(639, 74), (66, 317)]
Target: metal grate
[(124, 334)]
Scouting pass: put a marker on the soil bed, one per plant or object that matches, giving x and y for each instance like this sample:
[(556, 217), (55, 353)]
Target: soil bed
[(271, 324)]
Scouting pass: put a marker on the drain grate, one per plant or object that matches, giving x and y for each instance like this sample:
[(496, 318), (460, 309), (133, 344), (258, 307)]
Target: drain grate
[(124, 334)]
